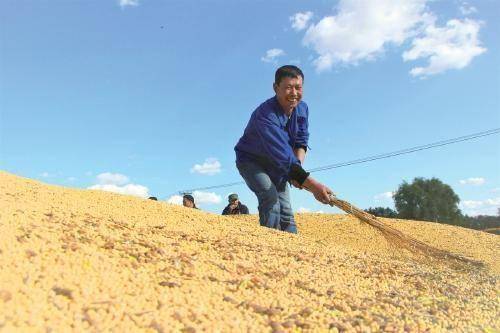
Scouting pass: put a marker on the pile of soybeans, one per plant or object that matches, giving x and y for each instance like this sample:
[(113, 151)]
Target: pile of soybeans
[(81, 260)]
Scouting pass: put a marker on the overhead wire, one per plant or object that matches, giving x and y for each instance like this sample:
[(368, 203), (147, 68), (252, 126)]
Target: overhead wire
[(371, 158)]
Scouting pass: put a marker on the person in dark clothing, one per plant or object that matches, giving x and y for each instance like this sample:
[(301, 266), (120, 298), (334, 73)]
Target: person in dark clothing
[(188, 201), (271, 152), (235, 207)]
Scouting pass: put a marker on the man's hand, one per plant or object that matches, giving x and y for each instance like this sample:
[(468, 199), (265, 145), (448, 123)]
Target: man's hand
[(320, 191)]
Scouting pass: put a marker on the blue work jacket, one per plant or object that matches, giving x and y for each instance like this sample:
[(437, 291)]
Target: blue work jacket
[(270, 137)]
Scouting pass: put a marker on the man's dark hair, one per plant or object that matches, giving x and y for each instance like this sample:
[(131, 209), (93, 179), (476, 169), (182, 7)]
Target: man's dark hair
[(153, 198), (189, 197), (287, 71)]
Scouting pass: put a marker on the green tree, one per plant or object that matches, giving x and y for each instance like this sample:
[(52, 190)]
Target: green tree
[(428, 200), (382, 212)]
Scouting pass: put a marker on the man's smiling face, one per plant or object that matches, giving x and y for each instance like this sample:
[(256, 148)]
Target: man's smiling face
[(289, 93)]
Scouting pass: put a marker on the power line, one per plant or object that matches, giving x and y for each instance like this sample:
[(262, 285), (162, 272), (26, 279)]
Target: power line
[(374, 157), (408, 150)]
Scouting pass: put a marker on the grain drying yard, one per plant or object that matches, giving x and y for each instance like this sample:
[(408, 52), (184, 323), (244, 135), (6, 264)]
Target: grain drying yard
[(81, 260)]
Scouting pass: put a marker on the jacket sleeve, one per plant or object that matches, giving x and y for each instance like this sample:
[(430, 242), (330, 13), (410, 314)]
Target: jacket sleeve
[(244, 209), (274, 142), (303, 129), (225, 211)]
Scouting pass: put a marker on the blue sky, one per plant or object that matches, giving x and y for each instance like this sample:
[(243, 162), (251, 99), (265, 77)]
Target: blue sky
[(149, 97)]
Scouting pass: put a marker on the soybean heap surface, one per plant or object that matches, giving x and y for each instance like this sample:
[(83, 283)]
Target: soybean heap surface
[(81, 260)]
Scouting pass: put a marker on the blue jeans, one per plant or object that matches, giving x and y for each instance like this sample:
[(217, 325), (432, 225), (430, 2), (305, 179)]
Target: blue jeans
[(275, 210)]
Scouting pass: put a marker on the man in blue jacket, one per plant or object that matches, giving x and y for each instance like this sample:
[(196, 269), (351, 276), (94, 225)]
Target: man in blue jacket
[(272, 150)]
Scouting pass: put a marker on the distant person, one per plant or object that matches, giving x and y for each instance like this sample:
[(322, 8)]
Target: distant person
[(188, 201), (153, 198), (235, 207), (272, 150)]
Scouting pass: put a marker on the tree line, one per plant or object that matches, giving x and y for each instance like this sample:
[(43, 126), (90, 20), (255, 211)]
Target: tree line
[(433, 200)]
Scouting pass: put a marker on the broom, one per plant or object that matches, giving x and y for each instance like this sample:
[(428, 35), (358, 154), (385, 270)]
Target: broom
[(396, 237)]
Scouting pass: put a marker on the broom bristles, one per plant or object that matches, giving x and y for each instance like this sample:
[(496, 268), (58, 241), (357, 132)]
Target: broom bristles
[(398, 238)]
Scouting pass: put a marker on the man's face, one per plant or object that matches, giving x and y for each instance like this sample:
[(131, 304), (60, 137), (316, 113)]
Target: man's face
[(234, 203), (187, 203), (289, 93)]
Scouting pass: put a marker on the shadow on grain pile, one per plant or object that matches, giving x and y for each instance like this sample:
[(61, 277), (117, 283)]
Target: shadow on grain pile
[(94, 261)]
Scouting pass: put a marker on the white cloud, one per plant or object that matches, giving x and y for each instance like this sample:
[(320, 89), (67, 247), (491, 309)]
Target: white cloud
[(272, 55), (206, 197), (108, 178), (210, 167), (300, 20), (477, 207), (118, 183), (200, 198), (132, 3), (303, 210), (307, 210), (471, 204), (450, 47), (384, 196), (175, 200), (129, 189), (473, 181), (361, 29), (467, 9), (45, 174), (496, 189)]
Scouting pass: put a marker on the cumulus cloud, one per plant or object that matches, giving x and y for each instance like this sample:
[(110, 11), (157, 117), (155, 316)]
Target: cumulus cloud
[(307, 210), (480, 207), (129, 3), (206, 197), (300, 20), (361, 29), (272, 55), (108, 178), (467, 9), (473, 181), (210, 167), (303, 210), (450, 47), (118, 183), (129, 189), (384, 196), (175, 200), (200, 198)]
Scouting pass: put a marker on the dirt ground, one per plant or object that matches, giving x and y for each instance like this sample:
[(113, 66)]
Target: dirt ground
[(81, 260)]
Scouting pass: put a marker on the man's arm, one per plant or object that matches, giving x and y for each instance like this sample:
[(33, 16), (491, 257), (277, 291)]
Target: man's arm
[(275, 141), (300, 153)]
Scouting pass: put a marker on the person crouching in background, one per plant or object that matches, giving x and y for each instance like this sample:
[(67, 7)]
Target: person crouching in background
[(235, 207)]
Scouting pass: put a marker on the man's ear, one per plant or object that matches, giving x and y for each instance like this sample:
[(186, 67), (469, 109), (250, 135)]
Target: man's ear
[(275, 88)]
